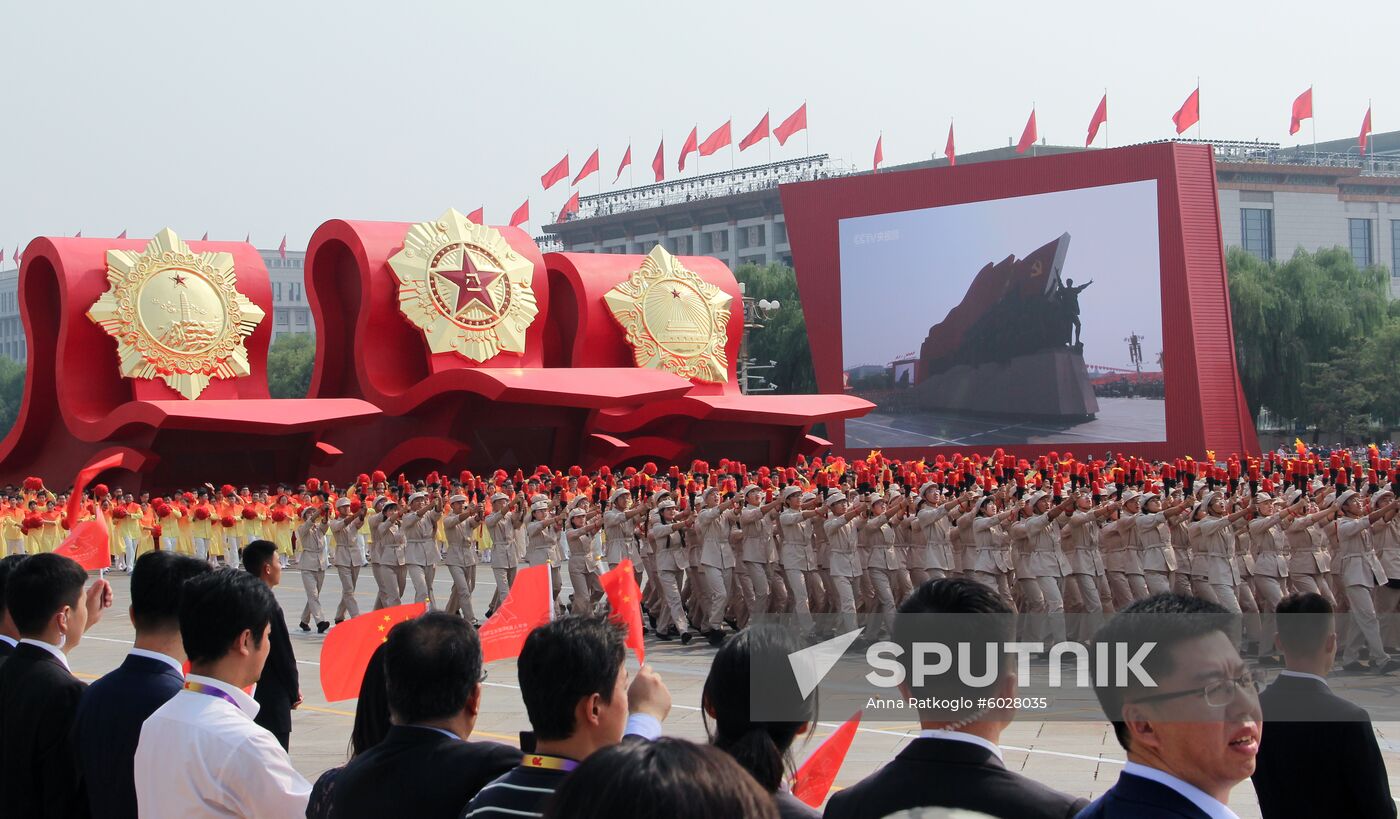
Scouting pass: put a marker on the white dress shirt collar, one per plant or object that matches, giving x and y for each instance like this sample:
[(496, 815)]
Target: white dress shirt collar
[(1304, 675), (961, 736), (442, 731), (246, 704), (1208, 804), (156, 655), (8, 639), (50, 648)]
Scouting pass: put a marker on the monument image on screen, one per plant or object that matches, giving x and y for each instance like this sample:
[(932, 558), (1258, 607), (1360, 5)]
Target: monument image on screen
[(1028, 320)]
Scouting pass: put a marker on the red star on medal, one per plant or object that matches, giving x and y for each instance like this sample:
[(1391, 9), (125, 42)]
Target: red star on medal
[(472, 284), (179, 280)]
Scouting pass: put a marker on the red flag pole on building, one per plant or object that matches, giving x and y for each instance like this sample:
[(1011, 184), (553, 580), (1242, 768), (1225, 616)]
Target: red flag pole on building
[(879, 152), (626, 163), (948, 149), (521, 215), (1028, 135), (1365, 129), (658, 165), (282, 248), (1098, 120), (1189, 113), (477, 216)]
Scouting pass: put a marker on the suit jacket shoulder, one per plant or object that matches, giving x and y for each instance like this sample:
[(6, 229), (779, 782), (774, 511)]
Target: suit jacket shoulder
[(417, 771), (1133, 797)]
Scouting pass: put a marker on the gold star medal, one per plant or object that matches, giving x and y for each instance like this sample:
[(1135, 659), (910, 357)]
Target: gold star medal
[(465, 287), (176, 315), (674, 320)]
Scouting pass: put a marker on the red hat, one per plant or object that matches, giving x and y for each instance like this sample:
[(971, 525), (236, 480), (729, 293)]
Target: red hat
[(226, 490), (575, 471), (378, 476), (249, 513), (604, 472)]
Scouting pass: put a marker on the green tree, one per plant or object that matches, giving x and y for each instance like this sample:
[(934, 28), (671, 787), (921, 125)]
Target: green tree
[(782, 338), (290, 361), (11, 393), (1340, 393)]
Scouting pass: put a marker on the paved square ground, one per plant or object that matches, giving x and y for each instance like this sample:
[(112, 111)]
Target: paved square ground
[(1081, 758)]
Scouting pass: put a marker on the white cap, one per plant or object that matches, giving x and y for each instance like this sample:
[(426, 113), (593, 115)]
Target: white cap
[(538, 505), (342, 502), (790, 490), (1033, 498), (578, 512), (499, 496), (834, 498), (617, 494), (457, 499), (309, 511), (417, 496), (667, 503), (1346, 496), (753, 487)]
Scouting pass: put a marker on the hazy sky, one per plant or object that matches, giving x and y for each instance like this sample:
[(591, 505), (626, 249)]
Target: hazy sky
[(930, 256), (271, 117)]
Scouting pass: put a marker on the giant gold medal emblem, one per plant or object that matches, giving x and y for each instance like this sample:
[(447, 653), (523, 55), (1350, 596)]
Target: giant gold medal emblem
[(674, 320), (465, 287), (176, 315)]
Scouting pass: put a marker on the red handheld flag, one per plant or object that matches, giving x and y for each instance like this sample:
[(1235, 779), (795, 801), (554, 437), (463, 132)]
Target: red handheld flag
[(814, 778), (625, 604), (1189, 113), (570, 207), (717, 140), (1302, 109), (626, 160), (521, 215), (658, 165), (1028, 136), (757, 135), (691, 144), (282, 248), (590, 166), (1099, 118), (796, 121), (1365, 131), (84, 477), (477, 216), (879, 151), (87, 544), (348, 647), (556, 173), (948, 149), (528, 605)]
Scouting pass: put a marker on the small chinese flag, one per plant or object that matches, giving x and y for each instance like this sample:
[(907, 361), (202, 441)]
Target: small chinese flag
[(658, 165), (692, 143), (1302, 109), (85, 476), (87, 545), (948, 149), (590, 166), (1028, 136), (757, 135), (282, 248), (720, 138), (796, 121), (528, 605), (879, 152), (521, 215), (478, 216), (1189, 113), (625, 603), (814, 778), (1099, 118), (559, 172), (626, 160), (348, 646)]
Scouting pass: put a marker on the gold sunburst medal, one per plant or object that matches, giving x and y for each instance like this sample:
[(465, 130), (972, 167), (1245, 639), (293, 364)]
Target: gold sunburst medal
[(177, 315), (674, 320), (465, 287)]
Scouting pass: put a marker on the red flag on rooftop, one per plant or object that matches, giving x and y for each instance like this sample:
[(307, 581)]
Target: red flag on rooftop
[(590, 166), (691, 143), (282, 248), (948, 149), (1096, 121), (556, 173), (625, 604), (717, 140), (879, 151), (570, 206), (626, 160), (521, 215), (658, 165), (528, 604), (205, 238), (348, 647), (122, 235), (796, 121), (477, 216), (1028, 136), (1365, 131), (814, 778), (78, 235), (757, 135), (1189, 113), (1302, 109)]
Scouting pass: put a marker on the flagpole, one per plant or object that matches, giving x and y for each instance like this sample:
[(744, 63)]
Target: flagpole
[(631, 180), (806, 134), (1313, 123), (731, 142), (1105, 117), (1198, 108)]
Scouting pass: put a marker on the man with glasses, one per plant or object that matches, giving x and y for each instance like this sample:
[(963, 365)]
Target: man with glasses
[(1193, 735)]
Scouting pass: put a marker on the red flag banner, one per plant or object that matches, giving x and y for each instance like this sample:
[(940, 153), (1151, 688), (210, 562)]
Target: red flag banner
[(478, 216), (84, 477), (87, 544), (528, 605), (555, 174), (348, 647), (1028, 136), (282, 248), (626, 160), (948, 149), (658, 165), (1189, 113), (1302, 109), (879, 151), (1365, 131), (205, 238), (757, 135), (814, 778), (691, 143), (1096, 121), (625, 604), (717, 140), (796, 121), (590, 166), (521, 215), (122, 235), (570, 207)]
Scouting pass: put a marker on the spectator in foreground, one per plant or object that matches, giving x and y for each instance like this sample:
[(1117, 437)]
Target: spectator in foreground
[(764, 749), (956, 761), (1194, 736), (573, 679), (669, 778), (279, 689), (369, 729), (111, 712), (9, 636), (425, 768), (1314, 735), (38, 693), (201, 754)]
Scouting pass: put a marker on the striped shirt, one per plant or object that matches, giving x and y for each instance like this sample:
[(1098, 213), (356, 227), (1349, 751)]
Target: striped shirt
[(520, 791)]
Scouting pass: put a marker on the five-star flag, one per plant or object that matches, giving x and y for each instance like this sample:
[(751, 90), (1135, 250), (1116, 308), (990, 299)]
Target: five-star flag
[(528, 604), (814, 778), (348, 647), (624, 604)]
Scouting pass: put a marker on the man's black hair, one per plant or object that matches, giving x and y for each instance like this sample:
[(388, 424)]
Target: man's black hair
[(432, 664), (257, 554), (592, 651), (1304, 621), (156, 580), (979, 617), (218, 606), (7, 565), (39, 588)]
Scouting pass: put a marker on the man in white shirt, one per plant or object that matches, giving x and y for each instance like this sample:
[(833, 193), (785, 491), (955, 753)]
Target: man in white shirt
[(201, 754), (1193, 736)]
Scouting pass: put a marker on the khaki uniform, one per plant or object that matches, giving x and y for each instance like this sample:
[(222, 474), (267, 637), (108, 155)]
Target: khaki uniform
[(1045, 571), (502, 525), (671, 563), (421, 555), (1361, 572), (312, 562), (1158, 559), (717, 563), (991, 556), (754, 554), (461, 561), (1080, 540), (798, 562), (346, 557), (391, 544), (841, 536)]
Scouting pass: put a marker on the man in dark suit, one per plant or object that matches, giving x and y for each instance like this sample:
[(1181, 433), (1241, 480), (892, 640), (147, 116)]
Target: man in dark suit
[(1320, 756), (38, 694), (955, 762), (9, 637), (108, 723), (425, 768), (279, 688), (1193, 731)]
